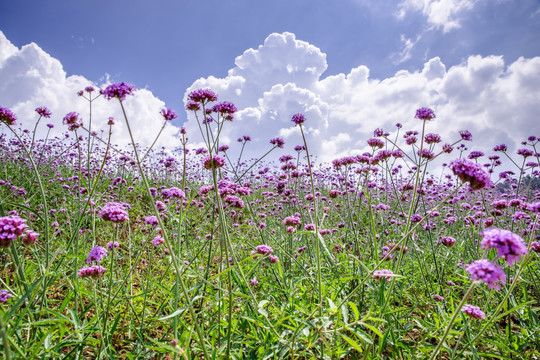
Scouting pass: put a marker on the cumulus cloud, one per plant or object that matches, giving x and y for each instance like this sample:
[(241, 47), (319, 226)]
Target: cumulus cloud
[(32, 78), (443, 14), (496, 102)]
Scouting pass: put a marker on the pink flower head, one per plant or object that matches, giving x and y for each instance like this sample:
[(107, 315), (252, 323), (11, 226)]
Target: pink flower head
[(72, 121), (473, 311), (425, 114), (509, 246), (382, 274), (298, 119), (470, 172), (168, 114), (44, 112), (11, 227), (277, 142), (202, 96), (487, 272), (5, 295), (96, 254), (7, 117), (115, 212), (264, 250), (119, 90), (213, 162), (94, 271)]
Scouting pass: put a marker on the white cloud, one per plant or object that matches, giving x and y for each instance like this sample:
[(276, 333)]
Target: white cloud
[(32, 78), (440, 13), (496, 102)]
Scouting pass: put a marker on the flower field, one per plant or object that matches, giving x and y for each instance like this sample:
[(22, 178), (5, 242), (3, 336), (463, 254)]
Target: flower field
[(417, 249)]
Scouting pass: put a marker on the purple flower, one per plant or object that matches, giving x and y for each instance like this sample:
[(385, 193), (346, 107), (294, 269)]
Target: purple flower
[(475, 154), (473, 311), (254, 282), (29, 238), (298, 119), (151, 220), (168, 114), (213, 162), (264, 250), (487, 272), (118, 90), (7, 117), (11, 227), (432, 139), (72, 121), (89, 89), (291, 221), (426, 154), (375, 143), (525, 152), (273, 259), (277, 142), (501, 147), (438, 297), (223, 148), (202, 96), (509, 245), (173, 192), (111, 244), (193, 106), (447, 148), (535, 246), (115, 212), (94, 271), (225, 107), (466, 135), (50, 126), (96, 254), (43, 111), (158, 240), (425, 114), (382, 274), (470, 172), (5, 295), (448, 241)]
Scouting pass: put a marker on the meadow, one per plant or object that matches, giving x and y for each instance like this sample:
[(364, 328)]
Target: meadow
[(146, 253)]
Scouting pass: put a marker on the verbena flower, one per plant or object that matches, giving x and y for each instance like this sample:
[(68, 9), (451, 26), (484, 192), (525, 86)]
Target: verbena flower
[(7, 117), (448, 241), (168, 114), (11, 227), (432, 138), (111, 244), (509, 246), (438, 297), (213, 162), (473, 311), (277, 142), (298, 119), (72, 121), (465, 135), (264, 250), (44, 112), (382, 275), (115, 212), (470, 172), (94, 271), (5, 295), (119, 90), (96, 254), (487, 272), (425, 114), (202, 96), (29, 238)]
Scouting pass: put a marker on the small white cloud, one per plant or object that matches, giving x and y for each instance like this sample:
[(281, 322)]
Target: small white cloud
[(443, 14)]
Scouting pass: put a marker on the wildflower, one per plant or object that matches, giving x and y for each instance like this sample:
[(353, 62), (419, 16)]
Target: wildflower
[(118, 90), (96, 254), (111, 244), (7, 117), (465, 135), (110, 121), (44, 112), (298, 119), (535, 246), (193, 106), (432, 139), (448, 241), (473, 311), (525, 152), (168, 114), (72, 121), (94, 271), (487, 272), (151, 220), (213, 162), (223, 148), (382, 274), (470, 172), (376, 143), (5, 295), (291, 221), (264, 250), (225, 108), (277, 142), (509, 245), (273, 259), (158, 240), (114, 212), (11, 227), (254, 282), (425, 114), (438, 297), (426, 154), (234, 201), (29, 238), (501, 147), (475, 154), (202, 96), (447, 148)]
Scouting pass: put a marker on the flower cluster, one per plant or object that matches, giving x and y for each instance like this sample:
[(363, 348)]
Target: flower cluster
[(447, 241), (470, 172), (96, 254), (298, 119), (277, 142), (382, 274), (509, 245), (94, 271), (168, 114), (115, 212), (487, 272), (44, 112), (11, 227), (72, 121), (213, 162), (473, 311), (425, 114), (202, 96), (5, 295), (263, 250), (119, 90), (7, 117)]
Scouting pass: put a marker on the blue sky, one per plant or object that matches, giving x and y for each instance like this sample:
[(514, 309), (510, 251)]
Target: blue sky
[(165, 47)]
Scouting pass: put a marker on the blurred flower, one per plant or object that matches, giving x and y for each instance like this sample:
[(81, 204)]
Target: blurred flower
[(509, 245), (473, 311), (7, 117), (96, 254), (487, 272)]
